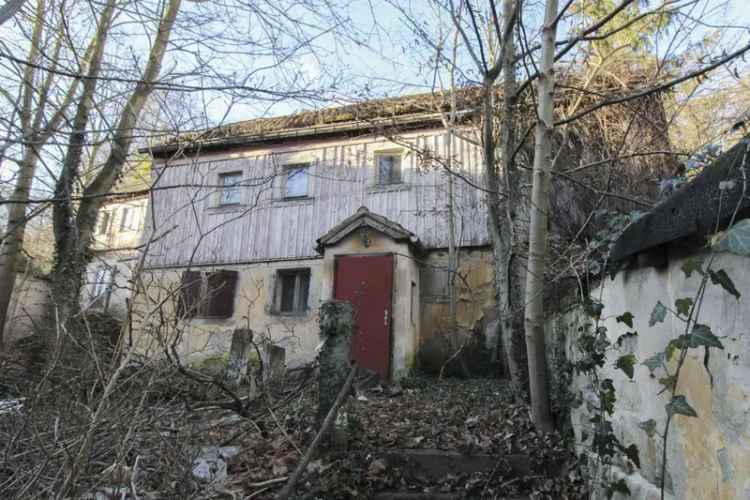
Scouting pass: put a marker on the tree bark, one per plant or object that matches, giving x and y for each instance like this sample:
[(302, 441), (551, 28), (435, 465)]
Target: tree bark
[(74, 230), (11, 247), (534, 317), (509, 269)]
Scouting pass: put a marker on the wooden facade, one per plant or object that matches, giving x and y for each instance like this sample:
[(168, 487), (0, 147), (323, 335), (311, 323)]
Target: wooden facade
[(192, 228)]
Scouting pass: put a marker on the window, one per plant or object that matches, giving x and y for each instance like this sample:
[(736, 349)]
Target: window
[(102, 281), (230, 189), (103, 225), (292, 291), (126, 219), (101, 289), (296, 181), (389, 169), (207, 294)]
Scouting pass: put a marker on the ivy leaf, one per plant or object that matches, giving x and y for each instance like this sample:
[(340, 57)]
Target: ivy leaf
[(607, 396), (627, 364), (619, 486), (722, 279), (667, 382), (702, 335), (691, 265), (680, 406), (654, 362), (683, 306), (632, 453), (658, 314), (736, 239), (649, 426), (626, 317), (595, 309), (672, 346), (622, 338)]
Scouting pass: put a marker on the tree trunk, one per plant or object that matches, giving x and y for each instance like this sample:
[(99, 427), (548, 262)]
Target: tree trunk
[(534, 317), (11, 248), (74, 230), (509, 269), (13, 244)]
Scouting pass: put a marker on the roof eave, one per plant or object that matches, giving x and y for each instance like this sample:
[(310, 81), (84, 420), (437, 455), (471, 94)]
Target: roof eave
[(412, 120)]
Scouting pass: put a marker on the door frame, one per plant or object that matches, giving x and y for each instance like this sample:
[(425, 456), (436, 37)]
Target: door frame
[(390, 297)]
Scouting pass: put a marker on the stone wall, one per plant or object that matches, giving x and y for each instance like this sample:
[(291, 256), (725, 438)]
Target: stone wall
[(475, 290), (707, 456)]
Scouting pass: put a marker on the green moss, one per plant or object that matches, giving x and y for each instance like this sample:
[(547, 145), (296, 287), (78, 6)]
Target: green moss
[(212, 364)]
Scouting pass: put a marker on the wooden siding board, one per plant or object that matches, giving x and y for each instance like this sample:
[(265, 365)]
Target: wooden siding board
[(341, 181)]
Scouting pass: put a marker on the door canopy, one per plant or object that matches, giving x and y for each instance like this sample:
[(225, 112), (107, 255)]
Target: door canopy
[(362, 221)]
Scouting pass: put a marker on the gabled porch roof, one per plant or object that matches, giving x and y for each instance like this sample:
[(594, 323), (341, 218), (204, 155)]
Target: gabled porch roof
[(364, 218)]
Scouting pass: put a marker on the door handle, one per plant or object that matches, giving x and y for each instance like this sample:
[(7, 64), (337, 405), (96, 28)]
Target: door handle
[(385, 317)]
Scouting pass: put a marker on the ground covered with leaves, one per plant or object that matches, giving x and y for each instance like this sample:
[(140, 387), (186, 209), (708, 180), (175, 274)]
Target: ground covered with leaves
[(146, 440), (472, 417)]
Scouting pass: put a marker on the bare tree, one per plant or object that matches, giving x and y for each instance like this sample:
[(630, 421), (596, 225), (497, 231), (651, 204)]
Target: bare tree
[(40, 115), (539, 220), (9, 9)]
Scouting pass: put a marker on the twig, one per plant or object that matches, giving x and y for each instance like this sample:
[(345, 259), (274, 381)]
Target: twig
[(343, 393), (283, 431), (259, 492), (269, 482)]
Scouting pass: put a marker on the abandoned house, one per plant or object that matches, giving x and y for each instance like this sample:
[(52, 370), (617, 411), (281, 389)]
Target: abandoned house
[(255, 224), (258, 222), (115, 248)]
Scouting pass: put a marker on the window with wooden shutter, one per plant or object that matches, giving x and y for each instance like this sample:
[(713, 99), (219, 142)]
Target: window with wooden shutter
[(207, 294), (221, 286), (190, 293)]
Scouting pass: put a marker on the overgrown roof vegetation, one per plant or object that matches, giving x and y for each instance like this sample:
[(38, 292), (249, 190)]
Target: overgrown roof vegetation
[(698, 209)]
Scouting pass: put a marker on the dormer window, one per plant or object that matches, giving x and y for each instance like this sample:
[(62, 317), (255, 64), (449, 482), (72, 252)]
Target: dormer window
[(389, 168), (230, 188), (295, 185)]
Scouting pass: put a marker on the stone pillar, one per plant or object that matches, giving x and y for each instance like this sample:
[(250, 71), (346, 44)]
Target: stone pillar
[(336, 330), (239, 354)]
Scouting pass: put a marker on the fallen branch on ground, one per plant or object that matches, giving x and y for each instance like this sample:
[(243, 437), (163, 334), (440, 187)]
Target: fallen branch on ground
[(343, 394)]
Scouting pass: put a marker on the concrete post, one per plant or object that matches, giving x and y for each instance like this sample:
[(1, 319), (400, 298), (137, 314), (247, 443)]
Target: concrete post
[(239, 354), (336, 330)]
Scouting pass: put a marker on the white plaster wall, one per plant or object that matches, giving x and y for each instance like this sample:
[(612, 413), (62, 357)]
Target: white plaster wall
[(202, 338), (298, 335), (708, 456)]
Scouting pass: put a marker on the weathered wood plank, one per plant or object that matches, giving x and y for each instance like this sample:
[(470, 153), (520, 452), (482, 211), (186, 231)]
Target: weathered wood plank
[(342, 179)]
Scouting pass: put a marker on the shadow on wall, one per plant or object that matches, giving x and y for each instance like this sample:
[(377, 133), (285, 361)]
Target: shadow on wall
[(461, 353)]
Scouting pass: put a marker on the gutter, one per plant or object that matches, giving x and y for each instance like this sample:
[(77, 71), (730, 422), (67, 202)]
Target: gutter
[(296, 133)]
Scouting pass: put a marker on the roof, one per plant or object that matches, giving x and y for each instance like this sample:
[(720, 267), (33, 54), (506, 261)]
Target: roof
[(369, 116), (414, 110), (364, 218), (697, 209)]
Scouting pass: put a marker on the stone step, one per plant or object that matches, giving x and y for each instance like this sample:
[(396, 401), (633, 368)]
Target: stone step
[(436, 464), (410, 495)]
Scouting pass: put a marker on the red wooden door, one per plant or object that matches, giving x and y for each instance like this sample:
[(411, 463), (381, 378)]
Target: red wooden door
[(367, 282)]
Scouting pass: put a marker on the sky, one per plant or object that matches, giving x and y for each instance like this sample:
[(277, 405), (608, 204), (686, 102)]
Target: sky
[(393, 62)]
